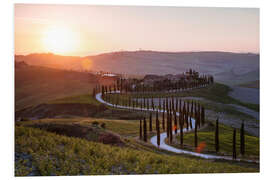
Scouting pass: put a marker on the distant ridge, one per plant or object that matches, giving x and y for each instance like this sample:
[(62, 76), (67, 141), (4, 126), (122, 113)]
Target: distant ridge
[(153, 62)]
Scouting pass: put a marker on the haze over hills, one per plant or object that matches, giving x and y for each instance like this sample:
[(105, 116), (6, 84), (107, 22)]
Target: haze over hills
[(229, 68)]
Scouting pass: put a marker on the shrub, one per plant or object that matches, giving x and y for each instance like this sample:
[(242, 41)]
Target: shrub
[(95, 123), (103, 125)]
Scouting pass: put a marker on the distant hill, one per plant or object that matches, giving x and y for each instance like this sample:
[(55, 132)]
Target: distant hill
[(35, 85), (227, 67)]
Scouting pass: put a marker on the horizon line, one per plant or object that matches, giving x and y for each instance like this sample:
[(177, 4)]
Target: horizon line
[(141, 50)]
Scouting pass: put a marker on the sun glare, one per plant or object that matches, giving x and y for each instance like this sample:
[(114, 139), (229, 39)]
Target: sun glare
[(60, 40)]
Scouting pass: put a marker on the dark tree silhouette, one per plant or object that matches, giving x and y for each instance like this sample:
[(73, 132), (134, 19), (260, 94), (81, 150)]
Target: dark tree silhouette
[(157, 129), (94, 92), (202, 115), (150, 122), (217, 136), (181, 128), (175, 123), (163, 119), (140, 129), (195, 134), (234, 143), (144, 130), (242, 139)]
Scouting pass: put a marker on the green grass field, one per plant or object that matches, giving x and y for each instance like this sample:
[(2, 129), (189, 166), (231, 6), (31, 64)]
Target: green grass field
[(51, 154), (207, 136), (81, 99)]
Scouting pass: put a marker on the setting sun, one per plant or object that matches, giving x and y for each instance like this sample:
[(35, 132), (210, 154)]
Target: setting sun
[(59, 40)]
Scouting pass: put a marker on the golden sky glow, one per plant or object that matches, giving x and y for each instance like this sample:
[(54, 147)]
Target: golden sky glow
[(60, 40), (85, 30)]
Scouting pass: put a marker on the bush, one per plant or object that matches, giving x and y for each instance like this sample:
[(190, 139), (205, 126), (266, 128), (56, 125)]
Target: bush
[(103, 125), (25, 119), (95, 123)]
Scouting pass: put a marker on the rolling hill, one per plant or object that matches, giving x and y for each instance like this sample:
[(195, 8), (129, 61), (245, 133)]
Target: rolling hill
[(227, 67)]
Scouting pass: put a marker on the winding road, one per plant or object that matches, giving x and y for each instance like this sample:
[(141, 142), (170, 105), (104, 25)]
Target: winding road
[(163, 136)]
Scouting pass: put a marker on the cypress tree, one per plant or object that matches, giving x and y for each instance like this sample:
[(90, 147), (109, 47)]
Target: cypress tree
[(202, 115), (158, 129), (163, 119), (195, 134), (217, 136), (140, 129), (144, 102), (199, 115), (94, 92), (181, 128), (171, 136), (234, 143), (176, 104), (159, 104), (242, 139), (150, 122), (190, 122), (167, 123), (175, 123), (153, 106), (144, 130)]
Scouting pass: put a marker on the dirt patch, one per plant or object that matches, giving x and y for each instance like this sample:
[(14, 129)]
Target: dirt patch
[(54, 110), (93, 133)]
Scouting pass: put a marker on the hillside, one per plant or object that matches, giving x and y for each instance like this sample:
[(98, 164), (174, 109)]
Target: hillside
[(229, 68), (35, 85)]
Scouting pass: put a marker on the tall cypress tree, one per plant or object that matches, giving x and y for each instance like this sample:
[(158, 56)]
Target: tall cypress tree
[(195, 134), (234, 143), (94, 92), (140, 129), (167, 123), (171, 135), (242, 139), (181, 128), (163, 119), (217, 136), (153, 106), (175, 123), (144, 102), (144, 130), (190, 122), (199, 115), (202, 115), (157, 129), (150, 122)]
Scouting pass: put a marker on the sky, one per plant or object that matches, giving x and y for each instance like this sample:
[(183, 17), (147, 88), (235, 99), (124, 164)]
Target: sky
[(82, 30)]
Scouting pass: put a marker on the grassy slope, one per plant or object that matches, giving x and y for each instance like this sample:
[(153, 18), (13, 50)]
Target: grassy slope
[(216, 92), (225, 139), (251, 84), (53, 154), (35, 85), (82, 99)]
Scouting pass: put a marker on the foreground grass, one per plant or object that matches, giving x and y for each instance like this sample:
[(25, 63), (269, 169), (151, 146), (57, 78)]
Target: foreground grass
[(50, 154), (207, 136)]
